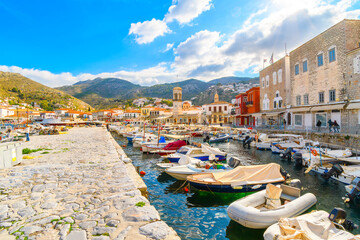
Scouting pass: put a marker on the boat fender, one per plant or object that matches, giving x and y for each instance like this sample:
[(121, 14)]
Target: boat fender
[(314, 152), (142, 173)]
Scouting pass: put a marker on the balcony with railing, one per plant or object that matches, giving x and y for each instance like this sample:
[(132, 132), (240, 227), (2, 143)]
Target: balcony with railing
[(249, 103)]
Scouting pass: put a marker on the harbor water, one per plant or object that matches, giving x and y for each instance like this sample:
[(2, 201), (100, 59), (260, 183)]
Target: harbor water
[(202, 215)]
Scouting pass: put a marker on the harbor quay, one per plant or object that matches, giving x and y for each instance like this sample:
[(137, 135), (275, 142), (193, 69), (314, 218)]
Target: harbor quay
[(76, 186)]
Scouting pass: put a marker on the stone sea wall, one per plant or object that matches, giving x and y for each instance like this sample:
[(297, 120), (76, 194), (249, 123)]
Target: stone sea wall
[(81, 185)]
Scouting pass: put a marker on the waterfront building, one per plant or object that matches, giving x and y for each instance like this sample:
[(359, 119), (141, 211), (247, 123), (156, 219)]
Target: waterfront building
[(274, 90), (218, 112), (247, 106), (319, 80), (240, 109), (318, 76)]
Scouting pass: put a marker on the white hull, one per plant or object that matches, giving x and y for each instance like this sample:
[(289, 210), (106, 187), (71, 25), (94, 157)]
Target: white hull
[(244, 211)]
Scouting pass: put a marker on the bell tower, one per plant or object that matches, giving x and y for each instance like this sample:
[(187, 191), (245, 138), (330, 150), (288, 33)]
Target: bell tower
[(216, 97), (177, 101)]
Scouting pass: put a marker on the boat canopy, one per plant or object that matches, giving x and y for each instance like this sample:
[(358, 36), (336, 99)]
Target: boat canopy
[(175, 145), (210, 150), (254, 174)]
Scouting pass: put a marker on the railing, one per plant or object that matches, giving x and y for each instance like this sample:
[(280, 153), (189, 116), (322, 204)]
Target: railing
[(249, 103)]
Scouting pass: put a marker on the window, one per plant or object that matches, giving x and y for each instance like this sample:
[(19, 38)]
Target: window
[(280, 76), (322, 118), (306, 99), (274, 78), (280, 103), (275, 104), (305, 67), (225, 108), (220, 109), (298, 119), (263, 82), (320, 59), (266, 102), (214, 109), (332, 96), (296, 69), (209, 109), (267, 80), (321, 97), (332, 56), (298, 100)]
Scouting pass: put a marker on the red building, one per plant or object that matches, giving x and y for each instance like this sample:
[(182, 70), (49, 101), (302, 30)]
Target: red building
[(246, 104)]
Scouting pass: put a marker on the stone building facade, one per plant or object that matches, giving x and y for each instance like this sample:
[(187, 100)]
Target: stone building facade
[(318, 76)]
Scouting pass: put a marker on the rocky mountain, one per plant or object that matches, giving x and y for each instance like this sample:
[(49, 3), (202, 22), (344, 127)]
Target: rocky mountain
[(21, 89), (109, 92)]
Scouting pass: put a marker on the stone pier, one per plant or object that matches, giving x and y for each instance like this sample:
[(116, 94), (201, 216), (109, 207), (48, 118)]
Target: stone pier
[(81, 185)]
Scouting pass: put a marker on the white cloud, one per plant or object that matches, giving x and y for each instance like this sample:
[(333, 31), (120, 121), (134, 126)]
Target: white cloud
[(186, 10), (183, 11), (168, 47), (147, 31)]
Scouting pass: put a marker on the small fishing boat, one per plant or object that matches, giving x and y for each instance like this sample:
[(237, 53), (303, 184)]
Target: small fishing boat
[(197, 153), (317, 225), (165, 149), (264, 208), (241, 179), (220, 138), (189, 166)]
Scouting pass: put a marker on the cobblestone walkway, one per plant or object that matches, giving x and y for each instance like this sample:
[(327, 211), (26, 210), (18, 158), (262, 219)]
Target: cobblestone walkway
[(78, 187)]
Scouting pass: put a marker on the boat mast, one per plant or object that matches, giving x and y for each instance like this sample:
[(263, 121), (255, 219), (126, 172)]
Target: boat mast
[(158, 134)]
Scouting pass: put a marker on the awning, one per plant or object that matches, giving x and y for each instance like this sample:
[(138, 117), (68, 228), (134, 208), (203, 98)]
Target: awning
[(328, 107), (272, 114), (300, 109), (164, 117), (352, 106)]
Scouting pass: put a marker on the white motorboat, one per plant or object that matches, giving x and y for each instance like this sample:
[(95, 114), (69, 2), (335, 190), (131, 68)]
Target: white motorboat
[(316, 225), (189, 166), (341, 173), (260, 210)]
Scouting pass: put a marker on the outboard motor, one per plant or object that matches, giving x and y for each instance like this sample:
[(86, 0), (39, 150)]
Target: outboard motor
[(354, 194), (234, 162), (338, 216), (247, 141), (284, 173), (287, 154), (297, 159), (207, 138), (335, 171)]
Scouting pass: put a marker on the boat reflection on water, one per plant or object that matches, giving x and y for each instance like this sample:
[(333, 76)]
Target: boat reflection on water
[(210, 199), (238, 232)]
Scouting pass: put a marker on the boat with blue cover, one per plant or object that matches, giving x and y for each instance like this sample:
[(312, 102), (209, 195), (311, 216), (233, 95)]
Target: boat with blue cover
[(198, 153)]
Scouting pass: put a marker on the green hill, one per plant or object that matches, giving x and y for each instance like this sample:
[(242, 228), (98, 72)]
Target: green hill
[(110, 92), (21, 89)]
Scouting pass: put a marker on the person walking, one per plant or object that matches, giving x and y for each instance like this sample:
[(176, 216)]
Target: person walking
[(336, 126), (318, 125), (27, 132), (330, 125), (284, 122)]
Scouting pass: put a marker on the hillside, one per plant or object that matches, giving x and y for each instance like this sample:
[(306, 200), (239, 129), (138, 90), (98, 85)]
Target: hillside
[(21, 89), (109, 92)]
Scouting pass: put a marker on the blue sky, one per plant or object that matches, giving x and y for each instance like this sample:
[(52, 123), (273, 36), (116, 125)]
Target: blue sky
[(147, 42)]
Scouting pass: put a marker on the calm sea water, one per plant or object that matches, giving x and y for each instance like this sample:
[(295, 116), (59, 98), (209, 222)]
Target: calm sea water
[(202, 215)]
